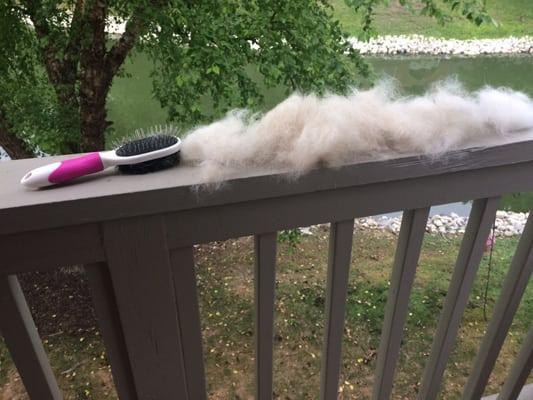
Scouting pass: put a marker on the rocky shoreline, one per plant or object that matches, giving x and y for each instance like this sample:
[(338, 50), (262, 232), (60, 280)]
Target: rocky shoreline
[(418, 44), (423, 45), (507, 224), (412, 44)]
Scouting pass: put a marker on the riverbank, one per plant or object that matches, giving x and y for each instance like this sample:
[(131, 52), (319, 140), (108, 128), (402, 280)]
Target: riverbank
[(420, 44), (511, 18), (507, 224), (423, 45)]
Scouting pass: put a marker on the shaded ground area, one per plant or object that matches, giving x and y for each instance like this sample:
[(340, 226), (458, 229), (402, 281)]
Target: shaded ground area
[(60, 301), (63, 314)]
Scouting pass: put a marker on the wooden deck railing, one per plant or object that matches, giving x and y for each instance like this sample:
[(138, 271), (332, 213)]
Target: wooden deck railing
[(135, 237)]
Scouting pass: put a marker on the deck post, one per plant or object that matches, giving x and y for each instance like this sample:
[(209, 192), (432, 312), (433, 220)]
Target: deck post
[(141, 272), (106, 311)]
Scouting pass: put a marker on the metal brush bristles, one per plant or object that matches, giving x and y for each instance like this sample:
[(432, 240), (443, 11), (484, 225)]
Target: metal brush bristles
[(142, 133), (167, 129), (146, 145), (158, 137)]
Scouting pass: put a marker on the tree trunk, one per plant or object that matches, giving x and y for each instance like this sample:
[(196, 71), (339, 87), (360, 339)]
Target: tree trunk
[(99, 67), (93, 115), (61, 63), (95, 80), (14, 146)]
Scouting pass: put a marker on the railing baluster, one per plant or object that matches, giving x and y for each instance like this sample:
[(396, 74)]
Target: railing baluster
[(340, 252), (504, 311), (182, 262), (141, 272), (525, 394), (265, 282), (23, 342), (519, 371), (106, 311), (468, 260), (403, 274)]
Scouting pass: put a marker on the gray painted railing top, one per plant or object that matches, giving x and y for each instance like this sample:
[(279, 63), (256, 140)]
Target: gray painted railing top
[(108, 195)]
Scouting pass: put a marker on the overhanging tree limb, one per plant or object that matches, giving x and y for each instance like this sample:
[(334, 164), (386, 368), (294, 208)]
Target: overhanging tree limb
[(14, 146), (202, 49), (73, 47), (118, 53), (48, 47), (134, 29), (62, 71)]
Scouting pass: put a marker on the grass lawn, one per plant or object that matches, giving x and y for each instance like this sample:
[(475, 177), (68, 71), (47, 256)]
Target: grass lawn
[(514, 17), (225, 283)]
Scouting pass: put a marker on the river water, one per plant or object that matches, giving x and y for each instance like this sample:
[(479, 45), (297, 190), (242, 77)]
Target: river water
[(131, 104), (416, 74)]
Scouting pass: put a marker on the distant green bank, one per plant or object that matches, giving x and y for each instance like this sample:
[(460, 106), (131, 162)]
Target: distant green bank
[(513, 17)]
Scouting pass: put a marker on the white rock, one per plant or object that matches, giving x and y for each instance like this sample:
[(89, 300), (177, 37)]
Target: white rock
[(306, 231), (417, 44), (3, 155)]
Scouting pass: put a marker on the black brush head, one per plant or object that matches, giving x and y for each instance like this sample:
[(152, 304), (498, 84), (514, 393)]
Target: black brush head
[(146, 145)]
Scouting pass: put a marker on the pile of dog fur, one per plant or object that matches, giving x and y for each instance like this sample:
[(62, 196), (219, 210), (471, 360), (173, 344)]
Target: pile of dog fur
[(306, 131)]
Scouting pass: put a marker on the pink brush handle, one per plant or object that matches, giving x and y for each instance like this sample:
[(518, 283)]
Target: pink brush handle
[(77, 167)]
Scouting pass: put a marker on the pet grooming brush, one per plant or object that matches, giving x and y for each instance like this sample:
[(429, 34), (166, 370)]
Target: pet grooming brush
[(148, 154)]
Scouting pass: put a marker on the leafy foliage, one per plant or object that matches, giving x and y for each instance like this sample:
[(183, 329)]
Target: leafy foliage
[(58, 63), (290, 236), (473, 10), (29, 100), (209, 50)]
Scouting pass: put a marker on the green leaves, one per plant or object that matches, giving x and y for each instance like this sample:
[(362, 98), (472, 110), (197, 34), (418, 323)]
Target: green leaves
[(473, 10), (215, 69), (207, 55), (442, 10), (28, 100), (211, 54)]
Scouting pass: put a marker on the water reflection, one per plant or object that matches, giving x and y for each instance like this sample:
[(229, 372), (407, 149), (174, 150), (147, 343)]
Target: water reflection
[(132, 106), (416, 74)]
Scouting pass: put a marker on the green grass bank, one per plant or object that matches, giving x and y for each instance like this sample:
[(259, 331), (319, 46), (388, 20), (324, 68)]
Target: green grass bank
[(513, 17)]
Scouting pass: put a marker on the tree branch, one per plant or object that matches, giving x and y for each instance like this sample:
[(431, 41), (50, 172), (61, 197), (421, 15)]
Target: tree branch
[(134, 29), (42, 31), (14, 146), (72, 51), (118, 53), (61, 72)]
